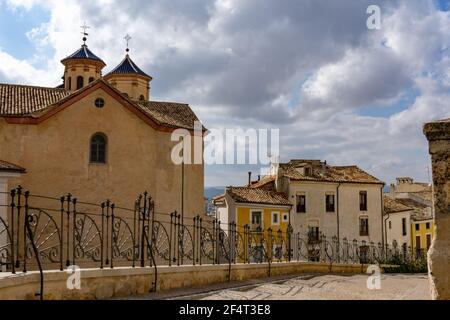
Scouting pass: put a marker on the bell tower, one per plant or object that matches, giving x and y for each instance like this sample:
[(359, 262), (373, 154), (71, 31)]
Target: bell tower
[(82, 67), (129, 79)]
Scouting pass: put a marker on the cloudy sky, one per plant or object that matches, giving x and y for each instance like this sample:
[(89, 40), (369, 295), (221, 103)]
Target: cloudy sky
[(336, 90)]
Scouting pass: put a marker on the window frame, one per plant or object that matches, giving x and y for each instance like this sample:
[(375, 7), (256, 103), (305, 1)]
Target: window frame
[(80, 82), (330, 207), (105, 156), (276, 214), (300, 208), (418, 242), (261, 212), (404, 229), (428, 240), (313, 234), (363, 204), (100, 100), (364, 228)]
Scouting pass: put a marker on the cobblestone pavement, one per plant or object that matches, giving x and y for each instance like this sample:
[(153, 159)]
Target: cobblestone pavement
[(308, 287), (332, 287)]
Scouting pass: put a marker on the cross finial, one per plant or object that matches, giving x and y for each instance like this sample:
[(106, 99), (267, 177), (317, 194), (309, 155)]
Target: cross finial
[(84, 27), (127, 39)]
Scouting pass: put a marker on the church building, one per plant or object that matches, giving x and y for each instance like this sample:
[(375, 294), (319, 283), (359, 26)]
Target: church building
[(98, 137)]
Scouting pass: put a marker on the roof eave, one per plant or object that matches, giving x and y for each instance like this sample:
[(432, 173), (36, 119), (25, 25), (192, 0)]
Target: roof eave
[(120, 74), (99, 63)]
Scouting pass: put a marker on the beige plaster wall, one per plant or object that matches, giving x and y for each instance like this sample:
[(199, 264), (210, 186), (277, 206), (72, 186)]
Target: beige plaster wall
[(55, 154), (134, 86), (349, 212), (75, 68), (396, 231)]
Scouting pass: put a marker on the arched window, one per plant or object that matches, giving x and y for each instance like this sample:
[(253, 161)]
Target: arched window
[(98, 148), (70, 83), (80, 82), (91, 79), (142, 98)]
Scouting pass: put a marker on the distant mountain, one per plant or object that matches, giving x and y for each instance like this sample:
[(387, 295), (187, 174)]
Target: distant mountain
[(211, 192)]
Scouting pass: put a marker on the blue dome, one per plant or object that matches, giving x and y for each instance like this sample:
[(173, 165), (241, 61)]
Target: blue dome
[(127, 66), (83, 53)]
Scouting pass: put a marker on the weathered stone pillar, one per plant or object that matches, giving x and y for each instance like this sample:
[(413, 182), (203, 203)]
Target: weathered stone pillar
[(438, 135)]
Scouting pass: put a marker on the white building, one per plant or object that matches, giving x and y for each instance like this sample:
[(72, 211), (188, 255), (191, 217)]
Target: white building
[(342, 201), (7, 171), (397, 217)]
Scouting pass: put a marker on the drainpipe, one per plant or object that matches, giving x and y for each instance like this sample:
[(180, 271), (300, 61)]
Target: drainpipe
[(182, 186), (337, 220), (383, 225), (337, 212), (384, 239)]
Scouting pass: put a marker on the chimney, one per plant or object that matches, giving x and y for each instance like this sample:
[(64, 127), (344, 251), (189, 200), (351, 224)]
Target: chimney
[(392, 191), (259, 177), (249, 178)]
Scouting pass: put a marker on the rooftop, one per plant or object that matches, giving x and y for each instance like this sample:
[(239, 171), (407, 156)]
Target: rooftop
[(420, 210), (127, 66), (25, 101), (392, 205), (171, 114), (22, 99), (10, 167), (83, 53), (265, 183), (320, 171), (257, 195)]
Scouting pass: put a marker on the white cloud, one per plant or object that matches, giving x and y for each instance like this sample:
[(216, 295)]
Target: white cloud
[(20, 71), (245, 63)]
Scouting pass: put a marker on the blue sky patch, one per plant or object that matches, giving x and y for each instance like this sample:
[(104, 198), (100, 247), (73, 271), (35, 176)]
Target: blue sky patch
[(443, 5), (386, 111), (17, 23)]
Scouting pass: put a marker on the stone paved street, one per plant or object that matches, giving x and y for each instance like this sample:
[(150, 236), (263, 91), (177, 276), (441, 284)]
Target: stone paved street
[(333, 287), (308, 287)]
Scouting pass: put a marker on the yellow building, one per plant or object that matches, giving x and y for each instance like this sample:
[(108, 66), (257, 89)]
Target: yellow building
[(422, 224), (422, 234), (261, 220)]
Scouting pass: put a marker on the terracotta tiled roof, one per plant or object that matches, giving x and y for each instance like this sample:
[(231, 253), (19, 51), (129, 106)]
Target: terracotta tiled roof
[(171, 114), (425, 195), (256, 195), (320, 171), (20, 99), (265, 183), (420, 210), (10, 167), (393, 205)]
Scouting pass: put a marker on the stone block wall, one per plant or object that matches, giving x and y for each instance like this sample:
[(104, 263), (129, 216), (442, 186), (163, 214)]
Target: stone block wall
[(438, 135)]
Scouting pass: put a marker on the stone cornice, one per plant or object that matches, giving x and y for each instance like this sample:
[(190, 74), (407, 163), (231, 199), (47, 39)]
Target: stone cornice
[(438, 130)]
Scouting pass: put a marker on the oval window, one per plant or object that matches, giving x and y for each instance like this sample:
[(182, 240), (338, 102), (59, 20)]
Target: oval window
[(99, 103)]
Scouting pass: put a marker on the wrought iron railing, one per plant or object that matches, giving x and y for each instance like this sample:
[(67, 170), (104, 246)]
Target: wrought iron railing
[(41, 233)]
